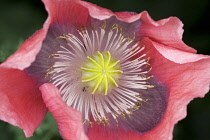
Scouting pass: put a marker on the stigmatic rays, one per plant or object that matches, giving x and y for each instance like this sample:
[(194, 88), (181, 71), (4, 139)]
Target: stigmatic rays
[(99, 71)]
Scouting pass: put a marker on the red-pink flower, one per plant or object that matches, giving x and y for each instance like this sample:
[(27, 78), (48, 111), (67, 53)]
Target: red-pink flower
[(133, 97)]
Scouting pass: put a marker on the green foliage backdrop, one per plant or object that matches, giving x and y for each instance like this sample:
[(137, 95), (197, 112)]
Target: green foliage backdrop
[(21, 18)]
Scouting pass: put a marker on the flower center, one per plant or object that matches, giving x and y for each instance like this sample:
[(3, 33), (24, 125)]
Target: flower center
[(100, 73)]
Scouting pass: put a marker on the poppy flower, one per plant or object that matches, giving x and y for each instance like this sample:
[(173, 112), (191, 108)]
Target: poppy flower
[(102, 74)]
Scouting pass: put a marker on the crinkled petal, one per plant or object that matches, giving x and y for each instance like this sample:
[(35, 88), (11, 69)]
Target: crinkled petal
[(166, 31), (101, 13), (21, 101), (26, 54), (177, 55), (69, 120), (58, 14), (64, 12), (185, 82), (96, 11)]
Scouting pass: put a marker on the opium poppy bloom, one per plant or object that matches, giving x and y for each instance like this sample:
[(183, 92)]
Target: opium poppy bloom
[(102, 75)]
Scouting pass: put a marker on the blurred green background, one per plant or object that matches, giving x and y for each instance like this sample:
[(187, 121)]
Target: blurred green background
[(21, 18)]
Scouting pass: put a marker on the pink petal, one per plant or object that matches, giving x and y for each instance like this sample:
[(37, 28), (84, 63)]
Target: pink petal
[(26, 54), (177, 55), (21, 102), (57, 11), (101, 13), (69, 120), (166, 31), (96, 11), (95, 132), (185, 81), (66, 12)]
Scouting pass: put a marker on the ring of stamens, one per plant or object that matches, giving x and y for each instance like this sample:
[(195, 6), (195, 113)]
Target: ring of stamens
[(82, 61), (100, 73)]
